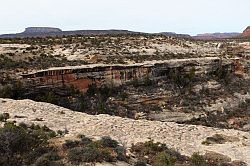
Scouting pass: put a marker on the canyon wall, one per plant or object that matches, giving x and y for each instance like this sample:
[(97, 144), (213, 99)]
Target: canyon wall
[(82, 76)]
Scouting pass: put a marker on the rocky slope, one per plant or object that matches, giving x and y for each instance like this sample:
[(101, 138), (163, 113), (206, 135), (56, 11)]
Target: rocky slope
[(184, 138), (246, 32)]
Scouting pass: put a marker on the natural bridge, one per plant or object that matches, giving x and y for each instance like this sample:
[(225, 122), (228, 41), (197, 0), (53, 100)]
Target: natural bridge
[(82, 76)]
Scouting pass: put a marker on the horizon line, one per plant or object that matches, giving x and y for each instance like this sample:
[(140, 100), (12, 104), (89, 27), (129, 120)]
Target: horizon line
[(118, 29)]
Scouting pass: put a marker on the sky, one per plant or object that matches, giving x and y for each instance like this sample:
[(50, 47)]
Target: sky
[(180, 16)]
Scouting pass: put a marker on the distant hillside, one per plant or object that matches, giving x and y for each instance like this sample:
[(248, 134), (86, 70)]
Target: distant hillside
[(216, 35), (48, 31), (175, 34)]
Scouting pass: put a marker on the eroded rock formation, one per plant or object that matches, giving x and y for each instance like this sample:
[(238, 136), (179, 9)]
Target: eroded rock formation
[(82, 76)]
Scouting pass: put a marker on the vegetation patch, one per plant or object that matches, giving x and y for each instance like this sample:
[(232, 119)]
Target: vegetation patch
[(86, 150), (157, 153), (21, 145)]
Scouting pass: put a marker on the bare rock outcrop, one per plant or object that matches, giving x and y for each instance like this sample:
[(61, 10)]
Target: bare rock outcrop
[(187, 139), (246, 32)]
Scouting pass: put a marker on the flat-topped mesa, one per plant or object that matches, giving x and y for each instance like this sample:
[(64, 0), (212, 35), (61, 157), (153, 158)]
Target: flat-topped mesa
[(82, 76), (216, 35), (41, 30)]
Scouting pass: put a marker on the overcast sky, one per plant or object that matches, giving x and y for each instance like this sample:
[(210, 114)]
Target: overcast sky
[(180, 16)]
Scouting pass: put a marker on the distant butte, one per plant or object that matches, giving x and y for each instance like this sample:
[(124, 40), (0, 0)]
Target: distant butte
[(42, 30)]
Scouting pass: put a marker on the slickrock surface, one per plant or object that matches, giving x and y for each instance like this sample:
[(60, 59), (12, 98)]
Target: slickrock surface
[(185, 138)]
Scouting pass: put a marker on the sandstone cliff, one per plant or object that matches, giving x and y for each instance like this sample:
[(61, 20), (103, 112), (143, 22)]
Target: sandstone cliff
[(246, 32)]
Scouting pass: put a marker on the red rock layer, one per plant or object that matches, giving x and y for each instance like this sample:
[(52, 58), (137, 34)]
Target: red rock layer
[(246, 32)]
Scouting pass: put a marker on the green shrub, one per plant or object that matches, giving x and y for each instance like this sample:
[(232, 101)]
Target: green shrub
[(70, 144), (197, 160), (14, 90), (22, 145), (80, 154), (148, 148), (156, 152), (6, 91), (13, 139), (86, 150), (121, 153), (84, 140), (105, 155), (164, 159), (109, 142), (32, 156), (23, 125), (52, 134), (35, 127)]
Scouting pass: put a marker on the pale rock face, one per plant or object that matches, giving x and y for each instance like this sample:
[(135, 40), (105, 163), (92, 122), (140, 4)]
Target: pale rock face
[(187, 139)]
